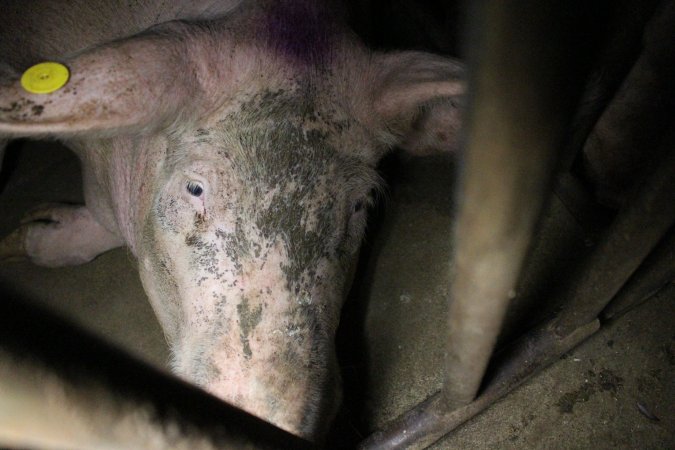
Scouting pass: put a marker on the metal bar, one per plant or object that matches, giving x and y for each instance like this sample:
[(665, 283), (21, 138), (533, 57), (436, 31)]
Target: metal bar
[(635, 231), (655, 272), (528, 60), (625, 139), (431, 420), (61, 388), (526, 74), (619, 53)]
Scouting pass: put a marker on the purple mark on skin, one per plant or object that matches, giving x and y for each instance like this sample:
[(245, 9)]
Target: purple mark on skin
[(301, 30)]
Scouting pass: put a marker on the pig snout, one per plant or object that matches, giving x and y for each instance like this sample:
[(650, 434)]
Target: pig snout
[(264, 349)]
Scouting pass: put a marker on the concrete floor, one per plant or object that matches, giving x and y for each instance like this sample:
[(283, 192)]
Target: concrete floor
[(391, 338)]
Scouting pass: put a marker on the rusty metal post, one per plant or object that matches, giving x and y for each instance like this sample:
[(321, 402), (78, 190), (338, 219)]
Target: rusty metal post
[(61, 388), (523, 82), (527, 64)]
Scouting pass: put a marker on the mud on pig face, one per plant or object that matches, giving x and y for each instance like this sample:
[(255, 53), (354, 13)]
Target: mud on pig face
[(248, 248)]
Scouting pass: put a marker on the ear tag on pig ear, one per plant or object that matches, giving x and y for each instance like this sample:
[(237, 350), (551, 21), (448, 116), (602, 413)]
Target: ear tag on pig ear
[(45, 78)]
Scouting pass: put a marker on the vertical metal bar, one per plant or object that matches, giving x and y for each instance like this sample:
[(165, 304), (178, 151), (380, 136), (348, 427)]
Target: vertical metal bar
[(635, 231), (624, 142), (527, 63), (621, 49), (523, 82), (61, 388)]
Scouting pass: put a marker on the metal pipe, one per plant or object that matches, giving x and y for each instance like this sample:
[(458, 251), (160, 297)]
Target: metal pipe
[(624, 142), (61, 388), (632, 235), (527, 61), (655, 272), (621, 48), (526, 74), (431, 420)]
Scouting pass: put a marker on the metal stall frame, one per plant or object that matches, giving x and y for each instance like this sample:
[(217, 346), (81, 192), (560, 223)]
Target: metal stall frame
[(526, 76)]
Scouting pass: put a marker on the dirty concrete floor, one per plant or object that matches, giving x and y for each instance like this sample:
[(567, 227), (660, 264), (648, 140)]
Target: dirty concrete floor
[(391, 340)]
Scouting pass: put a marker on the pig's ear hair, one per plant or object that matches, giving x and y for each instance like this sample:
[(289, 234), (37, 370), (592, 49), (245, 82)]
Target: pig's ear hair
[(133, 83), (417, 99)]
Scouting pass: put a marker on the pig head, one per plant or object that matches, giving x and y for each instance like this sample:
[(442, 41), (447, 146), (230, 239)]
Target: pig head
[(236, 158)]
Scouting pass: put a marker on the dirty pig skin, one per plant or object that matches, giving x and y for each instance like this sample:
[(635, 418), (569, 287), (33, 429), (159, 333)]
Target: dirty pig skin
[(232, 147)]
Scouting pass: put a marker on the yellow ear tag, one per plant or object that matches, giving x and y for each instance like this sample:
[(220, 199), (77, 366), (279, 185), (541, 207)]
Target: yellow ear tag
[(45, 77)]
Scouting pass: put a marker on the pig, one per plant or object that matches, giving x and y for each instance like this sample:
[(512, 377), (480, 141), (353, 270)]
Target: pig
[(232, 146)]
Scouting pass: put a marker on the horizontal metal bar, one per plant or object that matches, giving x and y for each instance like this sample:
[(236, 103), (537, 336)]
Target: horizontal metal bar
[(61, 388)]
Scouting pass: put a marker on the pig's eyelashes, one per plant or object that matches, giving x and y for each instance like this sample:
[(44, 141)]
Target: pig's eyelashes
[(355, 224), (195, 188)]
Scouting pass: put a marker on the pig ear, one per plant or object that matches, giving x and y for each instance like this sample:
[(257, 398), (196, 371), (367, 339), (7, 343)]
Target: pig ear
[(417, 100), (129, 84)]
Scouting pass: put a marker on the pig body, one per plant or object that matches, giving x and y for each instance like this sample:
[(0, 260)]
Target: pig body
[(236, 157)]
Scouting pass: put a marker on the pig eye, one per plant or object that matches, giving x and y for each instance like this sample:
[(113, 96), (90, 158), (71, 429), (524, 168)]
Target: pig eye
[(195, 188), (358, 206)]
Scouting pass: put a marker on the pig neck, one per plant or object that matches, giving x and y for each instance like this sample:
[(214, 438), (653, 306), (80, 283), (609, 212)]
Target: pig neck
[(118, 180)]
